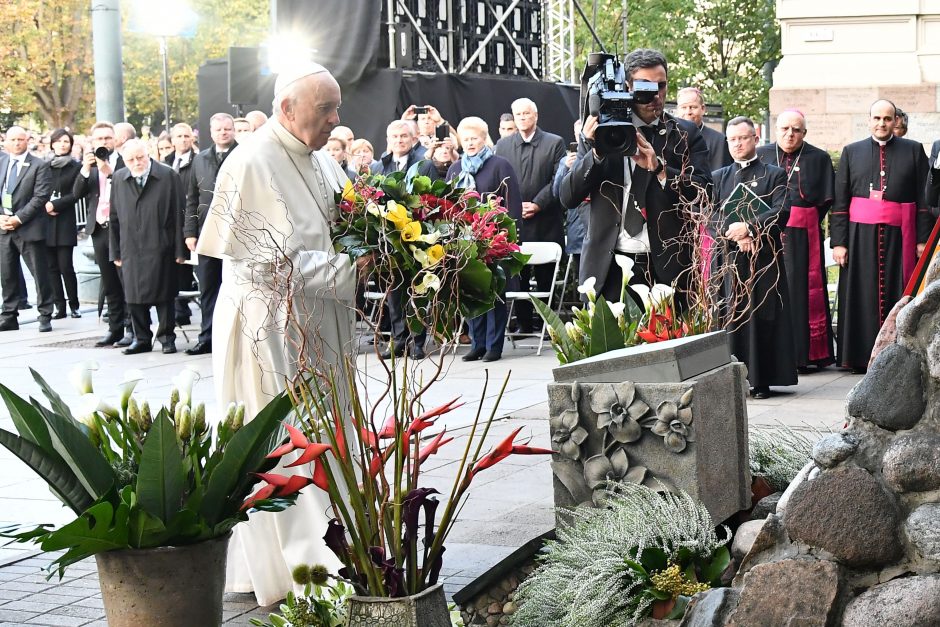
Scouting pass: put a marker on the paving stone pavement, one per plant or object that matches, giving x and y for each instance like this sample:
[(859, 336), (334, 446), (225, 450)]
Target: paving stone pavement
[(508, 504)]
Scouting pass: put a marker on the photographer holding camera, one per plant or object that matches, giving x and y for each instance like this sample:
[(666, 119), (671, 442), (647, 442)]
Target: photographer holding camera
[(630, 144)]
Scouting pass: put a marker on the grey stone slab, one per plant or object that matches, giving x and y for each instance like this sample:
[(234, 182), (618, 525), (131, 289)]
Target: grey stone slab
[(57, 620), (672, 360), (79, 611), (16, 615)]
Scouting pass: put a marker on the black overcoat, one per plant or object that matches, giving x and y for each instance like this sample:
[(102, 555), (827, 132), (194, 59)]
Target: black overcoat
[(61, 228), (147, 234)]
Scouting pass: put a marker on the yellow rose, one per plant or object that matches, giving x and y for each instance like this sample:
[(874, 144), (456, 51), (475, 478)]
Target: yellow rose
[(435, 254), (397, 214), (410, 231)]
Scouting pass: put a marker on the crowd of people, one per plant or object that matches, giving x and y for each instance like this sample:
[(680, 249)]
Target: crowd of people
[(147, 199)]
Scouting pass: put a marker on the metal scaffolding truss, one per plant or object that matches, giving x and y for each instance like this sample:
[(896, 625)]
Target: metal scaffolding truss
[(559, 41)]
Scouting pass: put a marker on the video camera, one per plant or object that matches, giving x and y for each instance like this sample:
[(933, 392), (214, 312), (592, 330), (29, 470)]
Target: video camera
[(608, 98)]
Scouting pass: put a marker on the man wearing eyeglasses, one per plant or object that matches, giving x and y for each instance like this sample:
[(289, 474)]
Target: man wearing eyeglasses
[(754, 277), (669, 173), (810, 180), (879, 226)]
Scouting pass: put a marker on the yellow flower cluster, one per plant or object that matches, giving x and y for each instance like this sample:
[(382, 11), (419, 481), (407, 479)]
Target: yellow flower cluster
[(674, 582)]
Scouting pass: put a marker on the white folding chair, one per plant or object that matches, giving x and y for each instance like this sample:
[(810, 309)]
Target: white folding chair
[(563, 282), (832, 289), (540, 253), (191, 296)]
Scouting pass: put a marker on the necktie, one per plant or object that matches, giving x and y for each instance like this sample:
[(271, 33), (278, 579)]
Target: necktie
[(140, 182), (11, 179)]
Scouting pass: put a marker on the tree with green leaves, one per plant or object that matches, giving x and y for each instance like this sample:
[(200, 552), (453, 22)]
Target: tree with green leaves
[(719, 46)]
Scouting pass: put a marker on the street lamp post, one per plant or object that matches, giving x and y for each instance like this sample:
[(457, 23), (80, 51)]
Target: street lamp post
[(166, 85)]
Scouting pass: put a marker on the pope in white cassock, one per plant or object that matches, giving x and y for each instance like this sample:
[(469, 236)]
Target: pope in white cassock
[(286, 296)]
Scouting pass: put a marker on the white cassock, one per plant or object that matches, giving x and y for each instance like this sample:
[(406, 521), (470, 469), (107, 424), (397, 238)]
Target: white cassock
[(274, 201)]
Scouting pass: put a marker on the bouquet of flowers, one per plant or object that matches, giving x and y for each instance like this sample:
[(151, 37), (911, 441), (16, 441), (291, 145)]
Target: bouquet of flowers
[(604, 326), (451, 248)]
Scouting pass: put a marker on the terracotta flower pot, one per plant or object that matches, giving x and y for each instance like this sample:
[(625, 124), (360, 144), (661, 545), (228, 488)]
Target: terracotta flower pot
[(661, 609), (164, 586), (425, 609)]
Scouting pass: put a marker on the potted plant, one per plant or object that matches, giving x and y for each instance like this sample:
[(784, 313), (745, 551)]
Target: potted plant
[(155, 494)]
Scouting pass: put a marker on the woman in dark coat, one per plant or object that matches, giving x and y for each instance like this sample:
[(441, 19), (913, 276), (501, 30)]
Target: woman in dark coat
[(61, 234), (481, 169)]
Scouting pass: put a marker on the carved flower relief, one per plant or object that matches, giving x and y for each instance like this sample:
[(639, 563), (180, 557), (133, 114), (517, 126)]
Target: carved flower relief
[(600, 469), (567, 434), (674, 422), (618, 410)]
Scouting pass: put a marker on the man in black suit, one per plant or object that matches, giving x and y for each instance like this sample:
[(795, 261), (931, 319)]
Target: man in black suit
[(690, 105), (534, 155), (933, 180), (147, 242), (26, 186), (94, 184), (205, 169), (404, 155), (669, 173)]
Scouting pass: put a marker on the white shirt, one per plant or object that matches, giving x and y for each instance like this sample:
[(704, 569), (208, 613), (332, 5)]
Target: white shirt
[(639, 243), (20, 161)]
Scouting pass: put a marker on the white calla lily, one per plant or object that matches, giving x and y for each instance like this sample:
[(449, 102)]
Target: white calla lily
[(375, 210), (430, 238), (661, 294), (617, 309), (644, 293), (80, 376), (184, 382), (430, 281), (587, 288), (626, 267), (131, 378)]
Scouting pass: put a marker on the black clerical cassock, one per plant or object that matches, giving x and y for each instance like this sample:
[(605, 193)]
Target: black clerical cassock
[(880, 215), (810, 179), (761, 331)]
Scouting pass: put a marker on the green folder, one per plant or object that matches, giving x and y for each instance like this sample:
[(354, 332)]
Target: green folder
[(743, 205)]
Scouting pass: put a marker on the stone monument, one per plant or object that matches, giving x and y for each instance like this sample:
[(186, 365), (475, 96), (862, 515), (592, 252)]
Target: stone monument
[(669, 414)]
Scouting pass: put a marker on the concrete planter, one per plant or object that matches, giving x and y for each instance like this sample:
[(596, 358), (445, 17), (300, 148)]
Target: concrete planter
[(425, 609), (164, 586)]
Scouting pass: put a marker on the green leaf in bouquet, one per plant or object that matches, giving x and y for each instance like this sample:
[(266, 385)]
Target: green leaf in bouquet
[(50, 467), (441, 188), (81, 456), (654, 558), (160, 476), (421, 184), (58, 405), (514, 263), (349, 241), (605, 332), (244, 454), (566, 344), (476, 278), (27, 419), (100, 528), (711, 573)]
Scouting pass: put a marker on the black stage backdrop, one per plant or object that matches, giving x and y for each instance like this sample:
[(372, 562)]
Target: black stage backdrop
[(379, 97)]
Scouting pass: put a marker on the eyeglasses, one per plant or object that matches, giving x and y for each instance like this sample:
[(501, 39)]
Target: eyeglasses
[(783, 130)]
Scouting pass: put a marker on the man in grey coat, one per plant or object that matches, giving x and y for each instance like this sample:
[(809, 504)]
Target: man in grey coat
[(147, 242)]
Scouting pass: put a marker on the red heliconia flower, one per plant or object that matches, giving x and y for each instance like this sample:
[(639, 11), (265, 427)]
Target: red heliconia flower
[(319, 476), (297, 440), (264, 493), (340, 436), (312, 452), (388, 428), (272, 478), (427, 419), (294, 484), (503, 450), (433, 446)]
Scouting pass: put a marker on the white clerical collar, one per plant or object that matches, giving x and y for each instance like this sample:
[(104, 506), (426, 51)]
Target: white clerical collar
[(744, 164), (881, 142)]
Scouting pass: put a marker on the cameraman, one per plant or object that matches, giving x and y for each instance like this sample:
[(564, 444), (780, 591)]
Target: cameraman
[(668, 173)]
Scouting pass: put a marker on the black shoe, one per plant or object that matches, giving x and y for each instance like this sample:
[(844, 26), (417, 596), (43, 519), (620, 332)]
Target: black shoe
[(9, 325), (24, 305), (169, 349), (388, 352), (492, 356), (108, 340), (127, 340), (201, 348), (44, 325), (182, 322), (475, 354), (59, 315), (137, 347), (760, 392), (417, 352), (76, 313)]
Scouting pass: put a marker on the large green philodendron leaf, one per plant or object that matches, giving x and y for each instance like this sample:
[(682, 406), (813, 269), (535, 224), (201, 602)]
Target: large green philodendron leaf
[(58, 405), (101, 528), (160, 476), (53, 471), (27, 420), (568, 347), (244, 454), (81, 456), (606, 335)]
